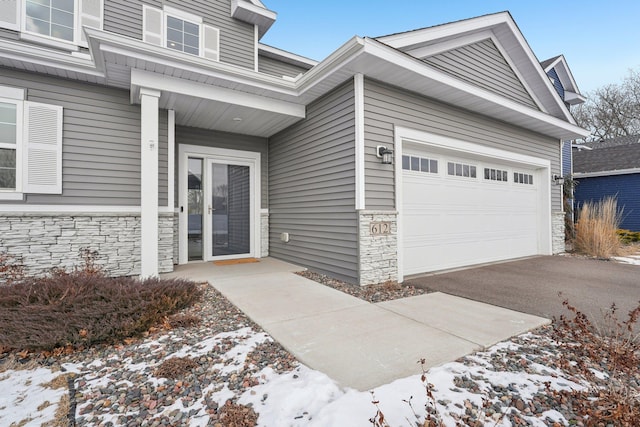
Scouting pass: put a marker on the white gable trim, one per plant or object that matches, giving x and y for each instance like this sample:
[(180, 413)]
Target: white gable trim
[(496, 23)]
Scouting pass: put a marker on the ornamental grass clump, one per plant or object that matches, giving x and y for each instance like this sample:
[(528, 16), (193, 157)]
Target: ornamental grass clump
[(596, 229)]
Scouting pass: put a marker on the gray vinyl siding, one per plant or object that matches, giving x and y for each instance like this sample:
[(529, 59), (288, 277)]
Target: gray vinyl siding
[(211, 138), (483, 65), (312, 188), (9, 34), (237, 39), (278, 68), (100, 141), (386, 107)]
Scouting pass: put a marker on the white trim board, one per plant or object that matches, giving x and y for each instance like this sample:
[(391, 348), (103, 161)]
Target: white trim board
[(439, 142), (578, 175), (249, 157), (358, 83)]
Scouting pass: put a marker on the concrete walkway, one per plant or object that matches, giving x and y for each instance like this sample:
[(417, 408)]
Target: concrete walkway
[(358, 344)]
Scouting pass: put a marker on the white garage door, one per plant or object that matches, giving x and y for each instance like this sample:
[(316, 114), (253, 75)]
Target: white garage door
[(462, 210)]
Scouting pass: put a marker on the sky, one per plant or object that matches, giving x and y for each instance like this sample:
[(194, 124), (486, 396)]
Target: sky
[(600, 39)]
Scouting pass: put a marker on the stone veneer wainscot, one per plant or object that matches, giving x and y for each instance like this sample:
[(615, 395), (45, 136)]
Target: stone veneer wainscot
[(45, 240)]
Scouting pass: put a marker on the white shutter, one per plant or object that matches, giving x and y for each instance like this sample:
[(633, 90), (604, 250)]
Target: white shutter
[(152, 25), (42, 155), (10, 14), (90, 15), (211, 42)]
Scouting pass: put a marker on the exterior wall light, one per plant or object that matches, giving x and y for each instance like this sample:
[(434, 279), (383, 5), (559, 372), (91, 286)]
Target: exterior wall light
[(558, 180), (385, 154)]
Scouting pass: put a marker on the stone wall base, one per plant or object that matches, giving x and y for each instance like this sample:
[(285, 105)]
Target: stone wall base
[(557, 233), (46, 240), (377, 253)]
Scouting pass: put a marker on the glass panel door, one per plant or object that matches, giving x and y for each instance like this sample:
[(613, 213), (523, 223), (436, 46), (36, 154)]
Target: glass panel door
[(230, 209), (195, 208)]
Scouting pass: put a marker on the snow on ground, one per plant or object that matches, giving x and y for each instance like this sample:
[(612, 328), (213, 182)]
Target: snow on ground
[(27, 399), (632, 259), (303, 397)]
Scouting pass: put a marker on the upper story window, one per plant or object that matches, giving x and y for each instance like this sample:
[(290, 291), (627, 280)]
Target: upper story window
[(51, 18), (183, 35), (57, 23), (175, 29)]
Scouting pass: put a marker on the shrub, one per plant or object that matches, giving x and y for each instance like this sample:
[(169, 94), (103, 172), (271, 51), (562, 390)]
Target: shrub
[(614, 346), (628, 236), (596, 228), (86, 307)]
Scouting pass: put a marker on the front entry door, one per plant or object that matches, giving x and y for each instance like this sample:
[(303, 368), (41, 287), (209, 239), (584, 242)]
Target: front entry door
[(229, 210)]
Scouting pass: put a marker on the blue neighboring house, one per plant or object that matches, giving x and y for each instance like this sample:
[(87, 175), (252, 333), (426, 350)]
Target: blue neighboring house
[(610, 168)]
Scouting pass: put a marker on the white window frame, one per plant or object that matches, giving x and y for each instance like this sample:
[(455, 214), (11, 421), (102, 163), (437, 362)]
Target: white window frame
[(15, 96), (49, 40), (167, 11), (186, 17), (72, 45)]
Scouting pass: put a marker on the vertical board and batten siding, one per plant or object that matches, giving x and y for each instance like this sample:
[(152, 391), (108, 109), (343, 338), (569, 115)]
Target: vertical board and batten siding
[(557, 84), (625, 188), (237, 38), (386, 106), (483, 65), (232, 141), (278, 68), (100, 141), (312, 188)]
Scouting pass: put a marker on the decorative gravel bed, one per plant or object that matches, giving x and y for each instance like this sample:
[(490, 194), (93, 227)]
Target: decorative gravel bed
[(182, 375), (372, 293)]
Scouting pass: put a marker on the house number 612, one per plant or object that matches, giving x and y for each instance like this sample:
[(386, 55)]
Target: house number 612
[(380, 228)]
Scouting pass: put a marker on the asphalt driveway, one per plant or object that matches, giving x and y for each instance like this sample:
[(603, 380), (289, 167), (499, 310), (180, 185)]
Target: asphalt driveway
[(532, 285)]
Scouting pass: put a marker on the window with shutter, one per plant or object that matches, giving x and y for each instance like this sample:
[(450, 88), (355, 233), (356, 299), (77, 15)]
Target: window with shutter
[(211, 43), (175, 29), (58, 23), (91, 15), (152, 25), (42, 148)]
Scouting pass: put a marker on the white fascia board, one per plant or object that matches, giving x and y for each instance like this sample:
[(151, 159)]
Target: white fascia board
[(565, 74), (393, 56), (416, 37), (120, 45), (253, 14), (334, 62), (48, 57), (150, 80), (573, 98), (283, 55), (578, 175)]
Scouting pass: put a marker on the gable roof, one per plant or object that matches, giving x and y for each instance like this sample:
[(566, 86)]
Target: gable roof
[(612, 155), (503, 30), (559, 64)]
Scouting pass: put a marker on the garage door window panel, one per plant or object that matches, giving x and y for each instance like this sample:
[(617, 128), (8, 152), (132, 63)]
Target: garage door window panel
[(522, 178), (498, 175), (462, 170), (419, 164)]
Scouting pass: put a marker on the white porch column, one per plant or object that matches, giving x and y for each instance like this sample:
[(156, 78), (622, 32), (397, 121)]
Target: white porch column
[(149, 181)]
